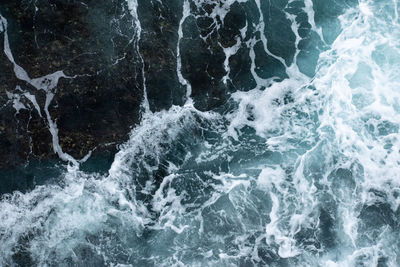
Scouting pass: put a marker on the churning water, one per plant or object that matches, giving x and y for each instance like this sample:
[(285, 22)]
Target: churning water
[(300, 170)]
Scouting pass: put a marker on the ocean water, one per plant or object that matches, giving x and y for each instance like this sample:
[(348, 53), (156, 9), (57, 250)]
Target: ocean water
[(298, 167)]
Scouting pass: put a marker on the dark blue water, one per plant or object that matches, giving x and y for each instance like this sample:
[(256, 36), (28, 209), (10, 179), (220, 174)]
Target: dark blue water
[(285, 152)]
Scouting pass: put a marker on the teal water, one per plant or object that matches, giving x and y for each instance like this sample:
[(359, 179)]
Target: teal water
[(298, 167)]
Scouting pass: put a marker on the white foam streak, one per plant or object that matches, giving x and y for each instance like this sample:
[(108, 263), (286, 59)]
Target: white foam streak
[(229, 51), (46, 83), (273, 179), (16, 99), (182, 80), (309, 9), (264, 40), (133, 6), (32, 98), (54, 133)]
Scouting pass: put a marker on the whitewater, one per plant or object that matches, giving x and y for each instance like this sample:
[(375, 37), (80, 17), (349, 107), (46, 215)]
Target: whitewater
[(301, 170)]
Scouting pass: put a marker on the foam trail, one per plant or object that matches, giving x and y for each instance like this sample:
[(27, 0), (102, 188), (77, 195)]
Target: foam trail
[(32, 98), (310, 13), (229, 51), (182, 80), (261, 26), (46, 83), (16, 99), (133, 6)]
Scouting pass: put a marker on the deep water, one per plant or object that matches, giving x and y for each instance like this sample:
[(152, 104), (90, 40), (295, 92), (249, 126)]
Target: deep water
[(284, 152)]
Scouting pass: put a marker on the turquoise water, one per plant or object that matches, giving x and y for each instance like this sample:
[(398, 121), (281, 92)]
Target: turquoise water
[(298, 167)]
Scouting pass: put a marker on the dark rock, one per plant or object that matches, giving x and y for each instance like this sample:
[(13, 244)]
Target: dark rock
[(158, 46), (91, 41)]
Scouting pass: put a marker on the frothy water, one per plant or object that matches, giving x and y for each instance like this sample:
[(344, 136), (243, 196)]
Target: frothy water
[(302, 170)]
